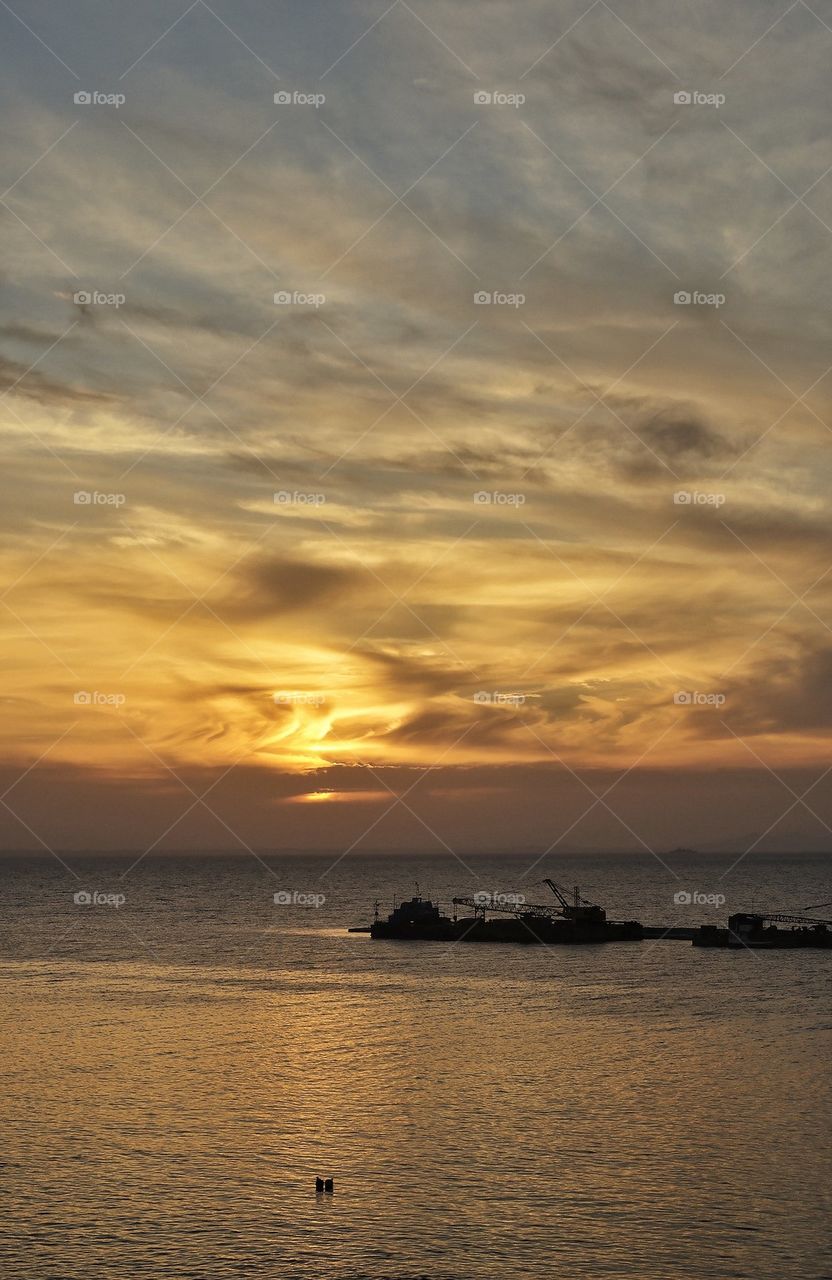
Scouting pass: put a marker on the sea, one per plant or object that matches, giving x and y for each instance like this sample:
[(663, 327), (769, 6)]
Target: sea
[(189, 1040)]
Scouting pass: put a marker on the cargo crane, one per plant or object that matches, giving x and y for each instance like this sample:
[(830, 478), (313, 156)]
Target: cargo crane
[(761, 929), (579, 910), (480, 905), (780, 917)]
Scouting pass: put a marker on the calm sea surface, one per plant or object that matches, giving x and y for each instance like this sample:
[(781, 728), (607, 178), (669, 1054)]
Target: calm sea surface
[(176, 1070)]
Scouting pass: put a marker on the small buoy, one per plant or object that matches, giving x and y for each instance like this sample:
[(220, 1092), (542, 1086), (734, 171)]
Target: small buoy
[(319, 1184), (328, 1185)]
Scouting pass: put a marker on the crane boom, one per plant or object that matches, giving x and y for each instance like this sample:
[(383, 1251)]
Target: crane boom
[(782, 918), (507, 908)]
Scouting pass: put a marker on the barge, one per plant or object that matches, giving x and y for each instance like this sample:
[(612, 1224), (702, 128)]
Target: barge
[(756, 931), (506, 918)]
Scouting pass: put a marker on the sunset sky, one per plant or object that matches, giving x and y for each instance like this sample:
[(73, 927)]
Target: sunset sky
[(382, 539)]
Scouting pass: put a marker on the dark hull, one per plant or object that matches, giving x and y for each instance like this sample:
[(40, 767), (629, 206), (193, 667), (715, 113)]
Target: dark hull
[(530, 931), (766, 940)]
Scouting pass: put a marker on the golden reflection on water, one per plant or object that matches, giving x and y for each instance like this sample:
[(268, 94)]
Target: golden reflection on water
[(176, 1073), (172, 1123)]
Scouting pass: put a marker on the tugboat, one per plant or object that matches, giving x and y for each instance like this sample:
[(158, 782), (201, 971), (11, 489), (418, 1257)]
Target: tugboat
[(417, 918)]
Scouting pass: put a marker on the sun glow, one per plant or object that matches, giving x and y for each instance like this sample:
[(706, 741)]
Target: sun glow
[(343, 797)]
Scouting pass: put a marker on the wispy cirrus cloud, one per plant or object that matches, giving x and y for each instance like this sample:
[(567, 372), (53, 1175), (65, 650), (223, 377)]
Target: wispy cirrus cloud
[(474, 496)]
